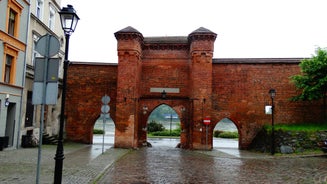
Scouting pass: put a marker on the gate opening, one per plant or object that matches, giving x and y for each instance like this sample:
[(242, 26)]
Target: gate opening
[(225, 134), (163, 127), (104, 130)]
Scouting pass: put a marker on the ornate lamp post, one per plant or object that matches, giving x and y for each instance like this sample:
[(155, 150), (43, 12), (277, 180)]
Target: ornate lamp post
[(272, 93), (69, 19), (163, 94)]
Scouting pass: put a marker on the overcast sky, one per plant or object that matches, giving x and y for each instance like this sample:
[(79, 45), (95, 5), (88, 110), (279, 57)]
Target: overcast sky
[(245, 28)]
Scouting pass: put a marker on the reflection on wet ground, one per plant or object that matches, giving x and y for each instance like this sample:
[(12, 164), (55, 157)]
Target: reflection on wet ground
[(172, 165), (163, 163), (229, 146)]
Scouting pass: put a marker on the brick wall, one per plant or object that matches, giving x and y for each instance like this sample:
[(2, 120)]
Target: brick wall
[(240, 93), (87, 83), (219, 88)]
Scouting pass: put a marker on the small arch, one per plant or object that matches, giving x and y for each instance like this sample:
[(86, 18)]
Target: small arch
[(169, 120), (223, 126), (105, 123)]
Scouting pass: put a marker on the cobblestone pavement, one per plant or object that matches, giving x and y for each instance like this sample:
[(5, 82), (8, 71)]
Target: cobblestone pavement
[(171, 165), (159, 164), (82, 163)]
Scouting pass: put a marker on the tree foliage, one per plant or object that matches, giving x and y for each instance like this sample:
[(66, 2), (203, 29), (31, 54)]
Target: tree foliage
[(153, 126), (313, 79)]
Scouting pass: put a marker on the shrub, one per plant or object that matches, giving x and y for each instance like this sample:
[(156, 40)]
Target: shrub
[(175, 133), (153, 126), (217, 132), (98, 131), (230, 135)]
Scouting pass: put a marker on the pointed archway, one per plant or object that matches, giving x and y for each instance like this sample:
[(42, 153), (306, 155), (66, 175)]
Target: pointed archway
[(179, 108), (226, 134), (163, 127), (106, 125)]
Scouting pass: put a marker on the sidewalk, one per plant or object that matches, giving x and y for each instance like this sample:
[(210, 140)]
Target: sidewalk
[(82, 163)]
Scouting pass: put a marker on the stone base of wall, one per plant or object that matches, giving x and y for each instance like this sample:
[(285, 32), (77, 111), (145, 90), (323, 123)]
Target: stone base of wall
[(288, 141)]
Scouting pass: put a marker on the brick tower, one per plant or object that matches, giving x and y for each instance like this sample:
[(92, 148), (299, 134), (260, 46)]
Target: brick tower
[(129, 71), (201, 53)]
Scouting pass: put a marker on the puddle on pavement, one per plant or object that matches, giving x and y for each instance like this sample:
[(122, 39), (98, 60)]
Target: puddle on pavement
[(228, 146)]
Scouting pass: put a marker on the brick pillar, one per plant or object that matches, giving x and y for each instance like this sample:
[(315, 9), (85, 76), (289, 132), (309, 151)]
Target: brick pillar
[(129, 72), (201, 52)]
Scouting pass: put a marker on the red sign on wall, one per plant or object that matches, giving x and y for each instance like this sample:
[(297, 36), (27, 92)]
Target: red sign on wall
[(206, 121)]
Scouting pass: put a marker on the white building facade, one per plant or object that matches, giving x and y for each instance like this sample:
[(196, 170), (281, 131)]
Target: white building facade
[(44, 19)]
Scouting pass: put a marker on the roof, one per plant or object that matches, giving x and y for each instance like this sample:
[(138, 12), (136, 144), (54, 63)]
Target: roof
[(166, 40), (92, 63), (128, 29), (202, 30), (256, 60)]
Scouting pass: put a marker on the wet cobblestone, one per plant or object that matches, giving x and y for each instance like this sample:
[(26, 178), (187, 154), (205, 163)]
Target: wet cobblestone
[(82, 164), (170, 165), (160, 164)]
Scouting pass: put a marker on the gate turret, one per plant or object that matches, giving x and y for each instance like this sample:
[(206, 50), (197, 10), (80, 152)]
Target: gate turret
[(129, 72), (201, 53)]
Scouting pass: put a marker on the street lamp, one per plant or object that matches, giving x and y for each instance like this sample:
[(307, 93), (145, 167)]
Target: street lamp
[(272, 93), (7, 100), (145, 109), (163, 94), (69, 19)]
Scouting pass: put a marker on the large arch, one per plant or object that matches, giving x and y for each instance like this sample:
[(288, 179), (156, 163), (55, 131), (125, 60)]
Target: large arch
[(166, 117), (181, 109)]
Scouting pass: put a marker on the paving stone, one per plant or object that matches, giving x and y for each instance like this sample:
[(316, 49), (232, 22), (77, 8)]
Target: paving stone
[(86, 164), (158, 165)]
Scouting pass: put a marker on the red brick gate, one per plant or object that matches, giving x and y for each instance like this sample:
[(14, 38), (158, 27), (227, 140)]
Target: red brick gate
[(195, 86)]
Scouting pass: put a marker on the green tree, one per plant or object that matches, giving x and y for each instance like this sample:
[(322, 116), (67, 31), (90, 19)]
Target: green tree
[(153, 126), (313, 79)]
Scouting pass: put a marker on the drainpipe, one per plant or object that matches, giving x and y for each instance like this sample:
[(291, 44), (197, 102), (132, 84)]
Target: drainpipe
[(23, 78)]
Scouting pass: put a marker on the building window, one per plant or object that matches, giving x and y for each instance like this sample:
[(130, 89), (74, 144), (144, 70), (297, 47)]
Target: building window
[(8, 68), (39, 9), (12, 22), (9, 64), (35, 53), (14, 11), (52, 18)]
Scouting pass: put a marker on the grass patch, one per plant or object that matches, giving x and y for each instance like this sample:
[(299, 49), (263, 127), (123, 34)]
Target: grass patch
[(225, 134), (166, 133), (158, 130), (229, 135), (309, 127)]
